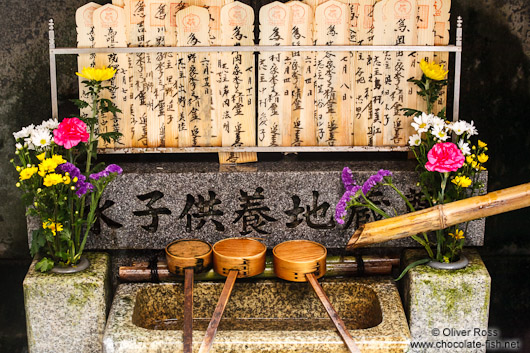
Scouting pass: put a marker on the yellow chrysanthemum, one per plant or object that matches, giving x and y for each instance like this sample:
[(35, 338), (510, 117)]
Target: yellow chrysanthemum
[(93, 74), (47, 166), (28, 173), (54, 227), (433, 71), (458, 234), (41, 156), (482, 144), (462, 181), (66, 179), (52, 179), (483, 158), (58, 159)]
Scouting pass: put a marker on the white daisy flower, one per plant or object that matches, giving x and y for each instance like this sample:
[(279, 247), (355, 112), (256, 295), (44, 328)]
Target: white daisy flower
[(439, 133), (25, 132), (471, 129), (415, 140), (437, 123), (51, 124), (459, 127), (464, 147), (41, 137), (422, 123)]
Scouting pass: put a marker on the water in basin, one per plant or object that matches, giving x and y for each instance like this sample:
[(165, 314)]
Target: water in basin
[(255, 306)]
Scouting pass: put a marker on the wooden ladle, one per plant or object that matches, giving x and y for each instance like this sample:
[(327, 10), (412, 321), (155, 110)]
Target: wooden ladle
[(186, 257), (233, 258), (302, 261)]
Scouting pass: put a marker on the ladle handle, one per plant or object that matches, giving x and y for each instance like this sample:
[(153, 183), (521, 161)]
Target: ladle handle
[(188, 310), (207, 342), (339, 324)]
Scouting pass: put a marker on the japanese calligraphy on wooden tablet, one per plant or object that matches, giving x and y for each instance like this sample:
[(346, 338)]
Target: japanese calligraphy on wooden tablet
[(109, 29), (85, 39)]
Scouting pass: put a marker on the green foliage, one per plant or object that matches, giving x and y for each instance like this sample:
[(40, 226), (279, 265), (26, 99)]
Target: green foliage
[(44, 265), (49, 193)]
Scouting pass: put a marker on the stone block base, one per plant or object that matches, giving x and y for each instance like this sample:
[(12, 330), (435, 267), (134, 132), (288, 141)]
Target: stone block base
[(67, 312), (447, 309)]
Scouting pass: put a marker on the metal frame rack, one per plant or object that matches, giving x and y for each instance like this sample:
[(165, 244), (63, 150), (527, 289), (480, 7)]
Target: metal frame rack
[(457, 49)]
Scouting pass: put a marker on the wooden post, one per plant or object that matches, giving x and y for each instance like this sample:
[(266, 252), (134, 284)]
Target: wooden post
[(400, 29), (109, 30), (363, 129), (441, 37), (238, 117), (137, 110), (192, 30), (171, 76), (302, 73), (333, 101), (274, 88), (85, 39), (425, 35), (156, 12)]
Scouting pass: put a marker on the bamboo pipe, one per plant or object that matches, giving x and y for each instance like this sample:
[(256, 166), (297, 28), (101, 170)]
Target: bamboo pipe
[(441, 216), (336, 266)]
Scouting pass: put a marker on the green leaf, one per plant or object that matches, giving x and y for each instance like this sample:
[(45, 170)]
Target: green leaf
[(38, 240), (44, 265), (112, 135), (411, 266), (411, 112), (81, 104)]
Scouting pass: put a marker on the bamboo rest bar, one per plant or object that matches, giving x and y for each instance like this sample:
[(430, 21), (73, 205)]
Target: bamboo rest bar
[(335, 266), (258, 49)]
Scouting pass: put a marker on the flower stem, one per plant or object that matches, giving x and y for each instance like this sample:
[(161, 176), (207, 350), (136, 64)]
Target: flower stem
[(373, 207)]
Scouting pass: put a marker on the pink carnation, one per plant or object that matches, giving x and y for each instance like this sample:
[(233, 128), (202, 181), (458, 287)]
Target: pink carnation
[(70, 132), (444, 157)]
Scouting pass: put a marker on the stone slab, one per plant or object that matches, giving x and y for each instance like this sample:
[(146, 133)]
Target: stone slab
[(152, 204), (67, 312), (140, 307), (447, 308)]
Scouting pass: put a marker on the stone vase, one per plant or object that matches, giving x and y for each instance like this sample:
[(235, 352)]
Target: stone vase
[(66, 313), (457, 265), (82, 265), (447, 310)]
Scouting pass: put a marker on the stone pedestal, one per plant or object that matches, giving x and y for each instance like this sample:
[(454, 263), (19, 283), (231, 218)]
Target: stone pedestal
[(447, 309), (67, 312)]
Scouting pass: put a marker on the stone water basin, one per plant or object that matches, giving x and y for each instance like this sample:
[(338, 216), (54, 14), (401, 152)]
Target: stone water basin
[(262, 316)]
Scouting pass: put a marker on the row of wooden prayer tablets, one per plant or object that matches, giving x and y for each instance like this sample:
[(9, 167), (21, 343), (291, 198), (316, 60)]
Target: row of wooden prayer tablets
[(293, 99)]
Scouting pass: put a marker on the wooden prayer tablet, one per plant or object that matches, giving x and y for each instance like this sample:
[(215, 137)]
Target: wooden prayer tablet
[(188, 253), (296, 258), (242, 254)]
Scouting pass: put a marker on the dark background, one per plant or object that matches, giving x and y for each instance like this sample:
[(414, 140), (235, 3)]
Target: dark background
[(495, 95)]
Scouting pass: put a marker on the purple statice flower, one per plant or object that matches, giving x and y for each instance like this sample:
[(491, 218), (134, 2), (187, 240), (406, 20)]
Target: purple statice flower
[(347, 178), (83, 187), (69, 168), (374, 180), (111, 168), (342, 206), (114, 168)]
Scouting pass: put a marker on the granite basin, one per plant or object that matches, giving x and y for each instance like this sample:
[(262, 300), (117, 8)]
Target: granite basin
[(261, 316)]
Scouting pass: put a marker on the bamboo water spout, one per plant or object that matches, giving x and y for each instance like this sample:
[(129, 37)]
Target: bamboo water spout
[(441, 216)]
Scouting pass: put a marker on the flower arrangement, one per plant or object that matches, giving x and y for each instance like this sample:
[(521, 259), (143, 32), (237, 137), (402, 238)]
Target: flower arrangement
[(448, 170), (54, 188)]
